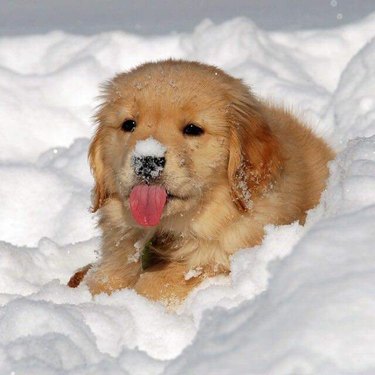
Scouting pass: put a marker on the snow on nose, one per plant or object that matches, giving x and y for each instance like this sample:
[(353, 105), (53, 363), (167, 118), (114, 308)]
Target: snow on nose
[(148, 159), (149, 147)]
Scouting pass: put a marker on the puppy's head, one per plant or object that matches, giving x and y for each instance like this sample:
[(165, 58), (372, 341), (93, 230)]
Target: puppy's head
[(171, 132)]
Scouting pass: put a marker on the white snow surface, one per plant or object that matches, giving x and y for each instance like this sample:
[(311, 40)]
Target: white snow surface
[(303, 302)]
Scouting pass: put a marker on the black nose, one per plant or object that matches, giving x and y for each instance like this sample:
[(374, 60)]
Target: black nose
[(148, 167)]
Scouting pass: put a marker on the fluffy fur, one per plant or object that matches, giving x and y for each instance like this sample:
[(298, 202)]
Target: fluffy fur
[(255, 164)]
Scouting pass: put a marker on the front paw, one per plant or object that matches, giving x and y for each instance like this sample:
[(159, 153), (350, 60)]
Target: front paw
[(166, 283), (107, 279)]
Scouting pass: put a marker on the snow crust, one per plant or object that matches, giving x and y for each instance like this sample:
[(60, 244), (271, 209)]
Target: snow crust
[(303, 302)]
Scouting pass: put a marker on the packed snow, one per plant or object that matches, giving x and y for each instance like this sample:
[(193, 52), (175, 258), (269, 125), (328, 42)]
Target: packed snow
[(303, 302)]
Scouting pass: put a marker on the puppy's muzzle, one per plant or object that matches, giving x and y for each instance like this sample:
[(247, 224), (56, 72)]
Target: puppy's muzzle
[(148, 167)]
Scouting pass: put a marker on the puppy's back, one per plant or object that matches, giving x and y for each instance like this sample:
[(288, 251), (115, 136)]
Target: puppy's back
[(305, 155)]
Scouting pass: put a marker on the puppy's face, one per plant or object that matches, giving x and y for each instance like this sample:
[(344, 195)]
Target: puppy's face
[(168, 134)]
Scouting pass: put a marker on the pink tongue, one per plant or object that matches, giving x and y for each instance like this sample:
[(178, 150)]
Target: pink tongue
[(147, 203)]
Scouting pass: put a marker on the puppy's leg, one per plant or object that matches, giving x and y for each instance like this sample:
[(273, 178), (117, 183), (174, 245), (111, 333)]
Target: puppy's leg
[(105, 278), (166, 282), (109, 276), (117, 269)]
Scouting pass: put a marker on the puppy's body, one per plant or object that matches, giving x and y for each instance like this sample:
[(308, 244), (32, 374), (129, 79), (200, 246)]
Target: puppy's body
[(252, 165)]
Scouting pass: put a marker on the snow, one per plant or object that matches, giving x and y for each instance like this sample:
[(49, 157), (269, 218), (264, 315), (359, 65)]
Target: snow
[(303, 302), (149, 147), (195, 272)]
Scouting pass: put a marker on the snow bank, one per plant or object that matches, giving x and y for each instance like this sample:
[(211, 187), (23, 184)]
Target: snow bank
[(302, 302)]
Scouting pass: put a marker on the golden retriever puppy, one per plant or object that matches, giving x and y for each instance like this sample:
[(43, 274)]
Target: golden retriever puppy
[(189, 167)]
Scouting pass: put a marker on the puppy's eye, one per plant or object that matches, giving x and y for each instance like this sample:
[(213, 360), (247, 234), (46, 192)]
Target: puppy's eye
[(193, 130), (128, 125)]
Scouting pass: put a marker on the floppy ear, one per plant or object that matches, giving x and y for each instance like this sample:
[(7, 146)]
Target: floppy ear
[(99, 192), (254, 152)]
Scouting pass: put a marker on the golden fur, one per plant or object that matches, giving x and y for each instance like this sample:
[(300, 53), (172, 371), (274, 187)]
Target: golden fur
[(255, 164)]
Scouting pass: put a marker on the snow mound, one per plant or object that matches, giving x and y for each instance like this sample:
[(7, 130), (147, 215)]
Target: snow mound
[(300, 303)]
